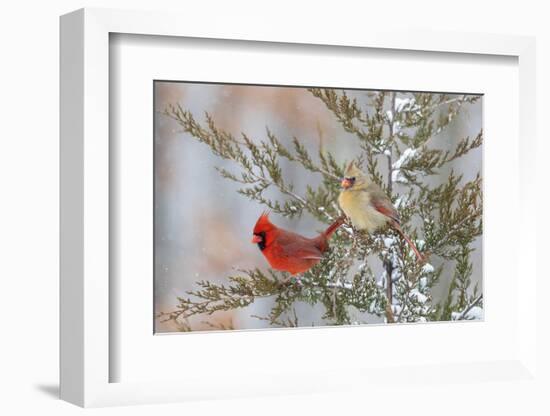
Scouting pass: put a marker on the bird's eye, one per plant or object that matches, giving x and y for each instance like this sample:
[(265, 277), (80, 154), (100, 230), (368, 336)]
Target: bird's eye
[(352, 179)]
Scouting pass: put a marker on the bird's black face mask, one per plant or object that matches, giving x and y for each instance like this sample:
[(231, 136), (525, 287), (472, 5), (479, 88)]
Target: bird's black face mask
[(259, 238)]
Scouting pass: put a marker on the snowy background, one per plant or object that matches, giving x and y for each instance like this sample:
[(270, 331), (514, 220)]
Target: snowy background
[(203, 227)]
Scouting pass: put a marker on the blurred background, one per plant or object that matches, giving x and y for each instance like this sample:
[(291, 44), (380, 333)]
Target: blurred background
[(203, 227)]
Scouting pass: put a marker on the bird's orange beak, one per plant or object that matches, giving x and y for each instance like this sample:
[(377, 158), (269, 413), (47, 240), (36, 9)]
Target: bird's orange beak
[(346, 183), (256, 239)]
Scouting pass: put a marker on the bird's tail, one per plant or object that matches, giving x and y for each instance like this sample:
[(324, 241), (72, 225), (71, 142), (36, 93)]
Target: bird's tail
[(419, 256), (334, 226)]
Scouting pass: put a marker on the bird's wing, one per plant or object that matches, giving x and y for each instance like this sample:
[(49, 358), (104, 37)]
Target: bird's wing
[(382, 204), (297, 246), (306, 253)]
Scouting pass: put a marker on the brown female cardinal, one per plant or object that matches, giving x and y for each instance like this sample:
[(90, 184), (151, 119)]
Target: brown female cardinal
[(288, 251), (367, 206)]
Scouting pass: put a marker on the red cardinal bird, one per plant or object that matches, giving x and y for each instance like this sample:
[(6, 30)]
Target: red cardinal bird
[(288, 251)]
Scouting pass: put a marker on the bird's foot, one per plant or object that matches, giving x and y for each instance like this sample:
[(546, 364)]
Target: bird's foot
[(296, 281), (293, 280)]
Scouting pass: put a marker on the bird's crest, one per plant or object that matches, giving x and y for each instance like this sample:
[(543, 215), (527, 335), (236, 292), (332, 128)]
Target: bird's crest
[(263, 223), (352, 170)]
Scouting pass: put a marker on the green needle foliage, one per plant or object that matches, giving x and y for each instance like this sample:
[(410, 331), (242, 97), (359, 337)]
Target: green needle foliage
[(397, 137)]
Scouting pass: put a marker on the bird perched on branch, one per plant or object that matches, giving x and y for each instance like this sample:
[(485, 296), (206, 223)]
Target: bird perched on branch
[(367, 206), (288, 251)]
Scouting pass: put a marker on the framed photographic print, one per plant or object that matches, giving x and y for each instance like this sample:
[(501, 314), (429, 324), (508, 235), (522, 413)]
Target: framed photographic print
[(328, 191), (256, 214)]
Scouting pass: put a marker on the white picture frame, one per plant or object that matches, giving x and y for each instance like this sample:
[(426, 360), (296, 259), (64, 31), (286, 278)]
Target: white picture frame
[(86, 262)]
